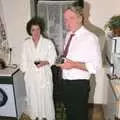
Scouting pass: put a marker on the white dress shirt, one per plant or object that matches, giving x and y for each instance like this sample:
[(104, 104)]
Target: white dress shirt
[(84, 47)]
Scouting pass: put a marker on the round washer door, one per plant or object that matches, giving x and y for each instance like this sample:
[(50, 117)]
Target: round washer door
[(3, 97)]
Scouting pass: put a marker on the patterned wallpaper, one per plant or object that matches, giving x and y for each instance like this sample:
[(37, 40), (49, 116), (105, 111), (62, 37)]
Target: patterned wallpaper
[(4, 49)]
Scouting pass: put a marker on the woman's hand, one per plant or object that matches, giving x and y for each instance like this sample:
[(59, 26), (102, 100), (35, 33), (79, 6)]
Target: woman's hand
[(41, 63)]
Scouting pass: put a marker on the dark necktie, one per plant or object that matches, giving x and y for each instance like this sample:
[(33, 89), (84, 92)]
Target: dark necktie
[(67, 46)]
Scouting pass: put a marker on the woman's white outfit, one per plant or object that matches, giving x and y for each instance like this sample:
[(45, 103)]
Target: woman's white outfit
[(38, 81)]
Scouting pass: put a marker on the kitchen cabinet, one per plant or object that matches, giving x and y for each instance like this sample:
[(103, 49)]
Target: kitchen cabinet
[(111, 109), (111, 105)]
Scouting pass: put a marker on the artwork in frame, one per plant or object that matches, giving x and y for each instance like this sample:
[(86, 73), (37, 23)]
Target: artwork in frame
[(4, 47)]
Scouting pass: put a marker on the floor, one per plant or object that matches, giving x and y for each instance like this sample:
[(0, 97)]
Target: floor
[(95, 113)]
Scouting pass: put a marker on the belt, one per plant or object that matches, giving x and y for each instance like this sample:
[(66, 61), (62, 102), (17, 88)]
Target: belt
[(75, 81)]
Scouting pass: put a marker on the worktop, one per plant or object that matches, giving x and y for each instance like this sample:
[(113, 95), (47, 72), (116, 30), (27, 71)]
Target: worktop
[(8, 71)]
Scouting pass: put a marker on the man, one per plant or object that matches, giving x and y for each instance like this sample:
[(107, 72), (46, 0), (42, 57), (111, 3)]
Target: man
[(82, 58)]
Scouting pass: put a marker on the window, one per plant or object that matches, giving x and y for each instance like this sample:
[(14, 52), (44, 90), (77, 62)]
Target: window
[(52, 12)]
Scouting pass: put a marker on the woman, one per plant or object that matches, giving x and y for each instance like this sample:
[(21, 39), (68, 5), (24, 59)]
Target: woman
[(37, 57)]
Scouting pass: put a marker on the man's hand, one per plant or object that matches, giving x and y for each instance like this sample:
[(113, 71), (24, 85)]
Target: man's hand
[(68, 64)]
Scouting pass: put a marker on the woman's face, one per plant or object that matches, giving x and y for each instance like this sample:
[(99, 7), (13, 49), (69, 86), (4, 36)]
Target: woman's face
[(35, 31)]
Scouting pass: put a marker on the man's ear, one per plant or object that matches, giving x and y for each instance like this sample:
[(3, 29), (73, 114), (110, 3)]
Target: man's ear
[(80, 20)]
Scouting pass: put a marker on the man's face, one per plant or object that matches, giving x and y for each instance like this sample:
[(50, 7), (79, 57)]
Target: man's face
[(72, 21)]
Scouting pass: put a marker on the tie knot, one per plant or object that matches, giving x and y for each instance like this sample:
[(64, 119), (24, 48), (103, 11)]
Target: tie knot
[(71, 35)]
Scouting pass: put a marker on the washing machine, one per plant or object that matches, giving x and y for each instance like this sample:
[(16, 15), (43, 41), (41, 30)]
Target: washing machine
[(7, 101), (12, 93)]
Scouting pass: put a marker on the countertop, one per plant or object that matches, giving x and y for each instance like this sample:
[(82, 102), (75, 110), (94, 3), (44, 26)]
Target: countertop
[(8, 71)]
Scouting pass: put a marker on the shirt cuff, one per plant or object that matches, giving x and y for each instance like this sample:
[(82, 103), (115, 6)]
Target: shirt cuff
[(90, 68)]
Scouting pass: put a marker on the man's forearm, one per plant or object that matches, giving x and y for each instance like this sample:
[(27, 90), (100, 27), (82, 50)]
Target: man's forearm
[(80, 65)]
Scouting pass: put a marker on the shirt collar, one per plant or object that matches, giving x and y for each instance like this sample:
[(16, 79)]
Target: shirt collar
[(80, 30)]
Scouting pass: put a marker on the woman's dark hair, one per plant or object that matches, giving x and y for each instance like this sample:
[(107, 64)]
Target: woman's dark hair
[(36, 21)]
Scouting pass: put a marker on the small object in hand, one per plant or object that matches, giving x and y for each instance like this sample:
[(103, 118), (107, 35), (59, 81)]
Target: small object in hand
[(60, 59), (44, 118), (37, 62)]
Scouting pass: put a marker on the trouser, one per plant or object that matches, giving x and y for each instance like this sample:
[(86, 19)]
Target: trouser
[(75, 99)]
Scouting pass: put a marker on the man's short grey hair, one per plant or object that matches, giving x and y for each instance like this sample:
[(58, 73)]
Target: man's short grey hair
[(76, 8)]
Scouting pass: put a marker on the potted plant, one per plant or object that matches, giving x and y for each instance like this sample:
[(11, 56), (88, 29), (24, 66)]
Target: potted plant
[(114, 25)]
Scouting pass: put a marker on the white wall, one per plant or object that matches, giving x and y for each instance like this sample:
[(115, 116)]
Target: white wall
[(102, 10), (16, 14)]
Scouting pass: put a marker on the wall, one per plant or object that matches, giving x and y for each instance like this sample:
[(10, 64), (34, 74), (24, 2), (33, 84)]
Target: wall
[(102, 10), (16, 14)]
